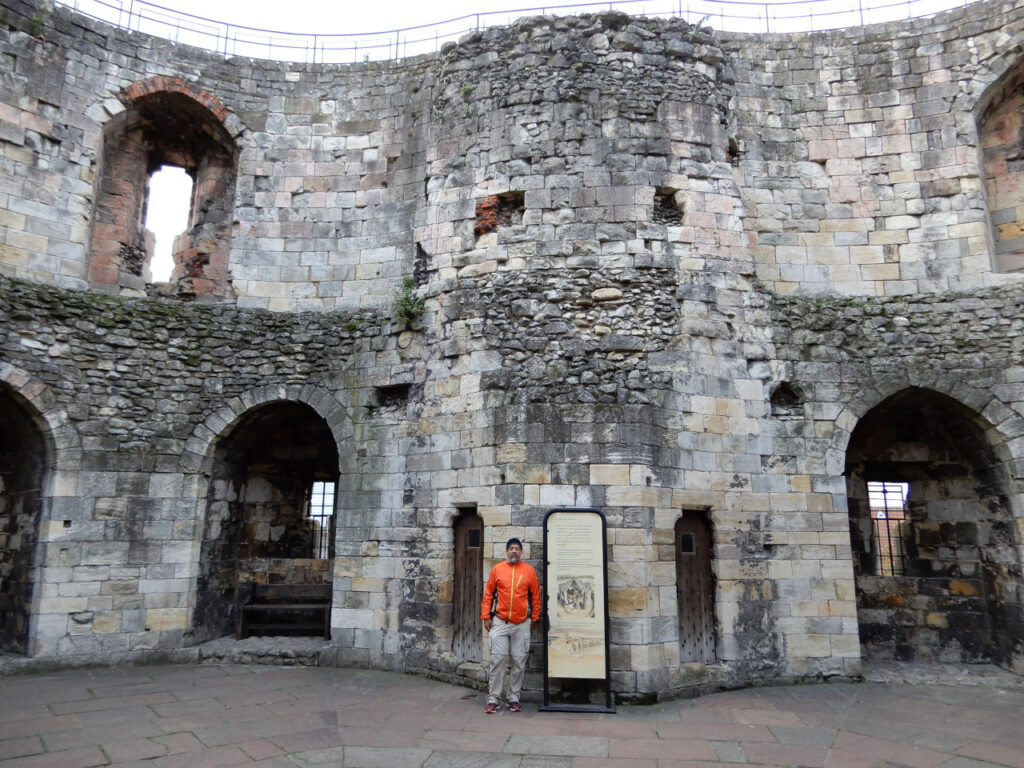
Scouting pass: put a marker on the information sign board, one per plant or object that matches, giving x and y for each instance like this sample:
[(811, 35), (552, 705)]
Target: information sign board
[(576, 602)]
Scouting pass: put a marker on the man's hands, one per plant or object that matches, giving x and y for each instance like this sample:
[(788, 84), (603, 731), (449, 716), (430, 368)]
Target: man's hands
[(487, 624)]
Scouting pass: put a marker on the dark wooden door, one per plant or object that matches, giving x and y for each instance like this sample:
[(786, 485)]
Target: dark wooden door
[(695, 588), (468, 589)]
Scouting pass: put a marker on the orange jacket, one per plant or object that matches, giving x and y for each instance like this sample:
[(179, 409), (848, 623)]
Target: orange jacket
[(514, 586)]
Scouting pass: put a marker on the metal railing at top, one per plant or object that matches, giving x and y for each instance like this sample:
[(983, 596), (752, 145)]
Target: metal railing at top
[(231, 39)]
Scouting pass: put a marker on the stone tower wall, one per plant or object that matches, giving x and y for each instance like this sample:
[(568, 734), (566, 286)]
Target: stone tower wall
[(631, 237), (860, 154)]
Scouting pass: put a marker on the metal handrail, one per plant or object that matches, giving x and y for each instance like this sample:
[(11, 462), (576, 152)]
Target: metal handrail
[(231, 39)]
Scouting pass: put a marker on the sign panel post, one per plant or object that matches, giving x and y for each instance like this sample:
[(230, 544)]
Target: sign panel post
[(576, 604)]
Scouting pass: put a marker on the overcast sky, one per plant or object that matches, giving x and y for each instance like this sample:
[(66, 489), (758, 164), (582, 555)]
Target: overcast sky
[(347, 17), (335, 17)]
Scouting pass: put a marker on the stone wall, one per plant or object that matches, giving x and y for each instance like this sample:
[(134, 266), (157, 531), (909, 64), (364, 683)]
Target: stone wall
[(601, 261), (860, 153), (937, 421)]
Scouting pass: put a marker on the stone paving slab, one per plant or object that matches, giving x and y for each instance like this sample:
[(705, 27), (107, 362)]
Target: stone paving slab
[(209, 716)]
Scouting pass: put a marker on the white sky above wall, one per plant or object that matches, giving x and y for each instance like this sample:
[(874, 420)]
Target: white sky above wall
[(170, 190), (334, 17), (317, 16)]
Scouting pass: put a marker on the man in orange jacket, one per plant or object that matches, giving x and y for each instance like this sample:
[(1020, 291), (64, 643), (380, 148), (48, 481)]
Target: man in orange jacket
[(513, 585)]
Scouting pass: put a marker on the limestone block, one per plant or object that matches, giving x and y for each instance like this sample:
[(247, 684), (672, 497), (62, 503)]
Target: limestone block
[(352, 618), (623, 537), (105, 623), (65, 483), (644, 658), (788, 502), (631, 496), (627, 601), (65, 605), (609, 474), (809, 645), (163, 619), (628, 574), (845, 646), (165, 486)]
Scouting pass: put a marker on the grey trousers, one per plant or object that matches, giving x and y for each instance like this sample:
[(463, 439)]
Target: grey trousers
[(505, 637)]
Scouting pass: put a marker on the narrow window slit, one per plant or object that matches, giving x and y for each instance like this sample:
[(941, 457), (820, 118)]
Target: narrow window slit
[(168, 204), (321, 512), (888, 504)]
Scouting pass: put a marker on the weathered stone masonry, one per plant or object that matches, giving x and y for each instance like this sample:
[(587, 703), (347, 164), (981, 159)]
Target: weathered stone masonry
[(706, 283)]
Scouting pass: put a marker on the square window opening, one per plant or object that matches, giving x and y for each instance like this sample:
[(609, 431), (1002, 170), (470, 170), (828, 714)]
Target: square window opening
[(687, 546), (669, 206)]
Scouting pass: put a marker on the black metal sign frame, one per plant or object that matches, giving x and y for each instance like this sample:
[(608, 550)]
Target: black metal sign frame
[(589, 557)]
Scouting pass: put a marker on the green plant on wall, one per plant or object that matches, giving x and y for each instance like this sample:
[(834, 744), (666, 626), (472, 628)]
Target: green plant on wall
[(36, 24), (407, 306)]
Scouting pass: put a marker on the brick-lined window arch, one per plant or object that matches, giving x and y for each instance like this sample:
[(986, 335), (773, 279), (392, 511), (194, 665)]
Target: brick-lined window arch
[(167, 121), (1001, 131)]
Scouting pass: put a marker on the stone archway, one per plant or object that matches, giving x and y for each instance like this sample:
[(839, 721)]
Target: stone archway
[(23, 463), (999, 116), (949, 592), (258, 527), (167, 121)]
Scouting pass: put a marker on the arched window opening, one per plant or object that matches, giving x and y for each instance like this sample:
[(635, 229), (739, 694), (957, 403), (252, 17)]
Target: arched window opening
[(22, 464), (158, 129), (265, 558), (936, 563), (787, 401), (1001, 132), (168, 205)]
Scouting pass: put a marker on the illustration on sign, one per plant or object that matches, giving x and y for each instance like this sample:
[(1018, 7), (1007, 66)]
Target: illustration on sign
[(576, 596)]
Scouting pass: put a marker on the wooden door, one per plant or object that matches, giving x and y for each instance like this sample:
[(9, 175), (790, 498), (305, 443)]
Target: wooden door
[(467, 642), (695, 588)]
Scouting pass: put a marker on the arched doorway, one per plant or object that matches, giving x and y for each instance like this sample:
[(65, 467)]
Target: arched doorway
[(269, 519), (934, 547), (22, 470)]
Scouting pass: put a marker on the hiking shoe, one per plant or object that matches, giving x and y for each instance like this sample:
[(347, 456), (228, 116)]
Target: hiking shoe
[(513, 706), (491, 708)]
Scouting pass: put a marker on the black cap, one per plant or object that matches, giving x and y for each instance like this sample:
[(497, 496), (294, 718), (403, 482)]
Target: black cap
[(512, 541)]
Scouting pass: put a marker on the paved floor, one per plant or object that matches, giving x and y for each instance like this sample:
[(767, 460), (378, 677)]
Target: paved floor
[(288, 717)]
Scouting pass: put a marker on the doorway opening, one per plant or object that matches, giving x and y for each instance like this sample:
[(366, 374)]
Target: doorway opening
[(22, 467), (467, 590), (267, 548), (695, 588), (935, 548)]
